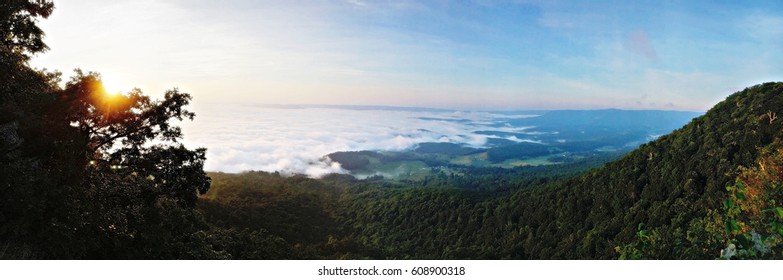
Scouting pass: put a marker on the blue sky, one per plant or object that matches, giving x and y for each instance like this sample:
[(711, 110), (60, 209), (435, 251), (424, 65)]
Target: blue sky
[(679, 55)]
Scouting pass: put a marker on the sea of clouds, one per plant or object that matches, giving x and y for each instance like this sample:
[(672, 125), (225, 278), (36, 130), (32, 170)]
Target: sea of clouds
[(295, 139)]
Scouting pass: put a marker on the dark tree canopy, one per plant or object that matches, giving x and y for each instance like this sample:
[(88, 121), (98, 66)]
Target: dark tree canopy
[(120, 127), (18, 29), (87, 174), (20, 37)]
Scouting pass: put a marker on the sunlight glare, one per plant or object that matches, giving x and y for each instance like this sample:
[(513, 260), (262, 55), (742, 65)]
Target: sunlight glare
[(114, 86)]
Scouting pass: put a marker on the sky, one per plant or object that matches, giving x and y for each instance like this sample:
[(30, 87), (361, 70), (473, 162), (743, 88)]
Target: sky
[(483, 54)]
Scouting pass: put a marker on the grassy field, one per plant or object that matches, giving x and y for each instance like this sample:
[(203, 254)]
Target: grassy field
[(480, 160)]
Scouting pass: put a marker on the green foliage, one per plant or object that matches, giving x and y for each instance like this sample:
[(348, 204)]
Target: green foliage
[(753, 212), (741, 244), (258, 215), (736, 192), (646, 240)]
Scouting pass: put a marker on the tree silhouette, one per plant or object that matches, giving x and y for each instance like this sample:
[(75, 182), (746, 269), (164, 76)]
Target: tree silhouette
[(86, 174), (18, 30), (119, 127)]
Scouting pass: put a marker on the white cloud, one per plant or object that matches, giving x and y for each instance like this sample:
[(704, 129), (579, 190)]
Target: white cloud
[(518, 140)]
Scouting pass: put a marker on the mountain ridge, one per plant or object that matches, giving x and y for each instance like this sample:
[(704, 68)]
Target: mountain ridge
[(687, 169)]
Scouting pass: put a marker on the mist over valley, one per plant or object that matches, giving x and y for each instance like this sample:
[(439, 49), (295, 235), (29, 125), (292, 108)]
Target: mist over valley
[(301, 139)]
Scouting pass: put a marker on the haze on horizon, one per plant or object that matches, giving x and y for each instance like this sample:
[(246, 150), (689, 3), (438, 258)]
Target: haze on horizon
[(672, 55)]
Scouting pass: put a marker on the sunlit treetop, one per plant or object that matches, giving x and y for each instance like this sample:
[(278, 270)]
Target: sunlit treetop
[(131, 118)]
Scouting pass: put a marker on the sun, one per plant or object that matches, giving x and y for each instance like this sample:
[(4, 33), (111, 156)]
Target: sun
[(114, 86)]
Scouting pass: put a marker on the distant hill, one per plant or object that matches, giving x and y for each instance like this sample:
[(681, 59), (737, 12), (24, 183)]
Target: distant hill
[(354, 160), (615, 118)]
